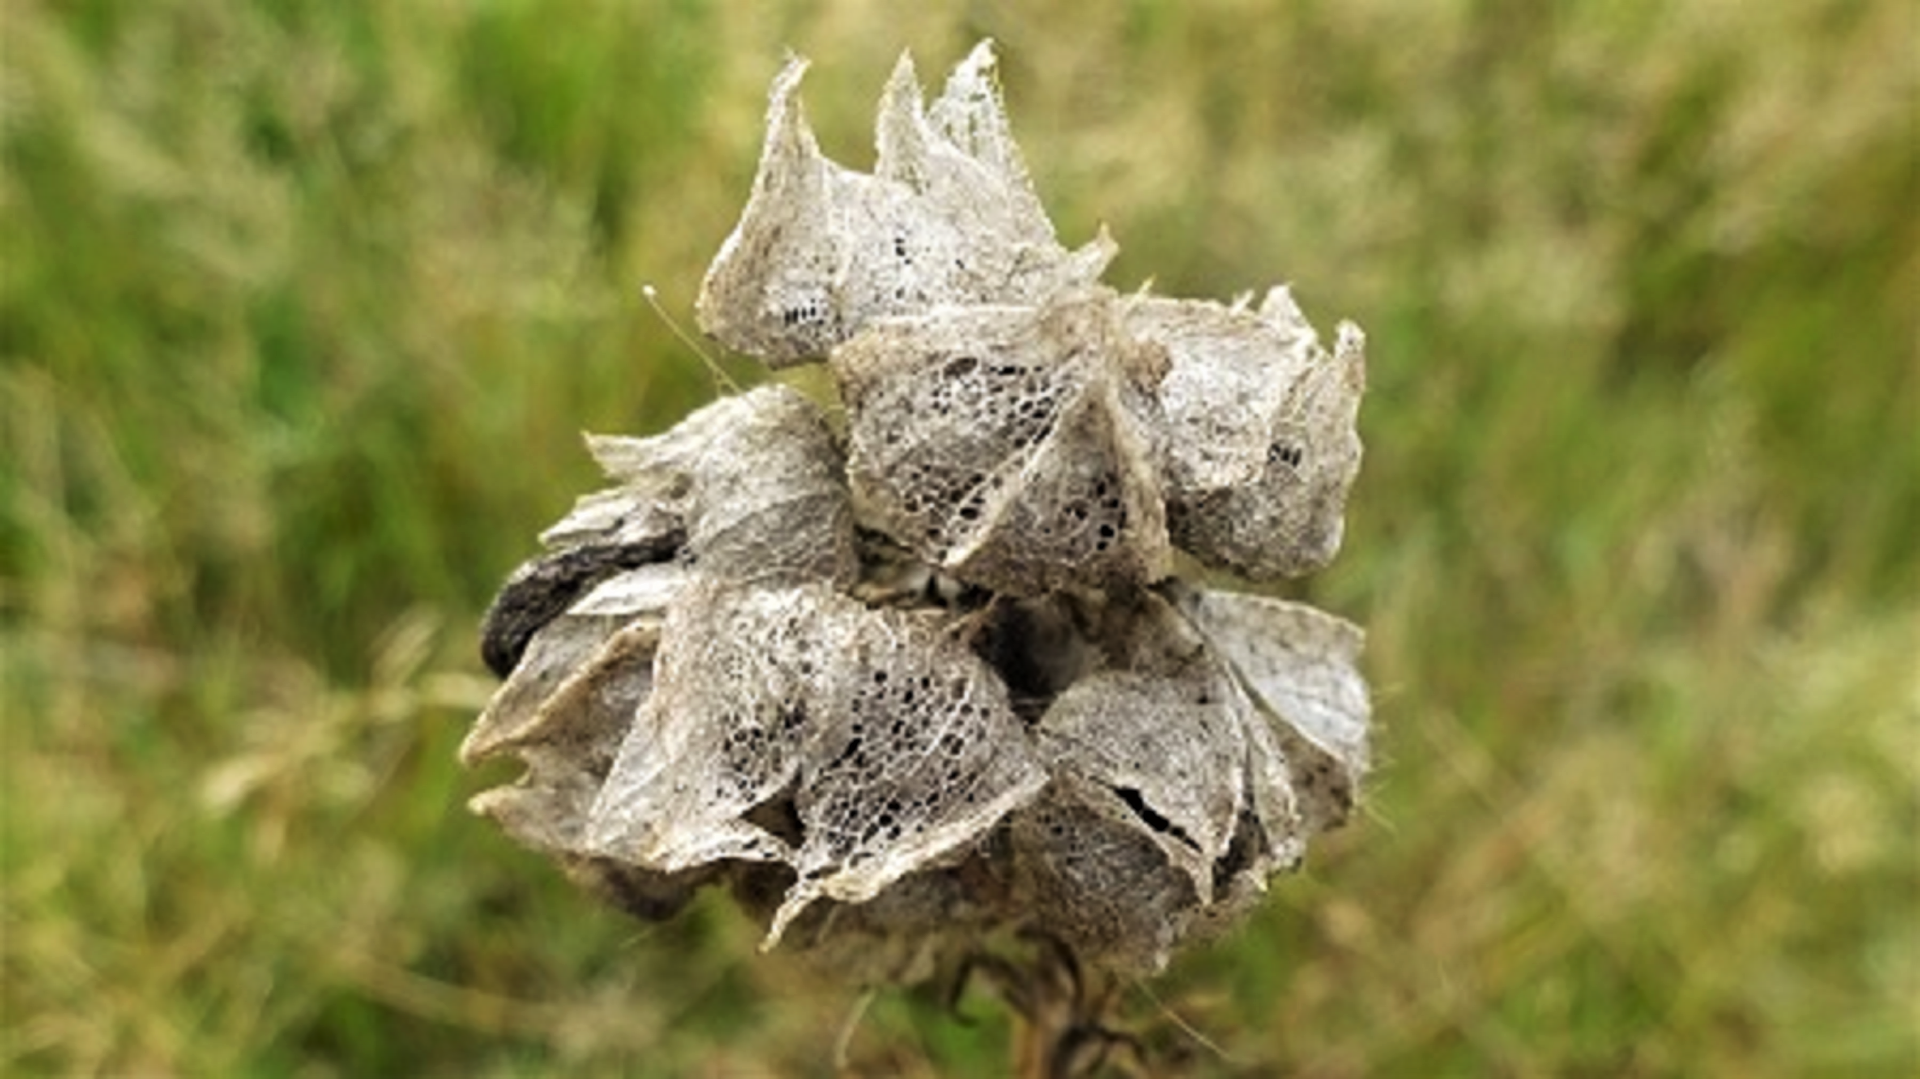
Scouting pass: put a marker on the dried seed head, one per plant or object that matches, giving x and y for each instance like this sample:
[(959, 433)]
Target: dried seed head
[(990, 706)]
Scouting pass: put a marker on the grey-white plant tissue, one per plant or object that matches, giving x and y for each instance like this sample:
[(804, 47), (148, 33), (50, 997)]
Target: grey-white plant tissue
[(935, 677)]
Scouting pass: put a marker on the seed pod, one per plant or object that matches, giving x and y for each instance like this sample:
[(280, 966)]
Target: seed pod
[(1259, 426), (796, 725), (947, 217), (1300, 666), (754, 481), (564, 712), (1002, 445), (750, 486)]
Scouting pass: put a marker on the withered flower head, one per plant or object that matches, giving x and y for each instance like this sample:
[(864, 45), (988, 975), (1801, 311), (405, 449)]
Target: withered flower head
[(903, 689)]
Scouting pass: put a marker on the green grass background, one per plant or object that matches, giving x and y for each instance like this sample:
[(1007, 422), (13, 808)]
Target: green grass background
[(302, 307)]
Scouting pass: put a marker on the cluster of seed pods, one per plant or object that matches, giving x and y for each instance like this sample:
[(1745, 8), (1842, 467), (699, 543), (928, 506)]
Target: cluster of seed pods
[(905, 682)]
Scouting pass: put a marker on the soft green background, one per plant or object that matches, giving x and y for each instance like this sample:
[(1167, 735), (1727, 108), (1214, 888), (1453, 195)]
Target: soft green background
[(303, 305)]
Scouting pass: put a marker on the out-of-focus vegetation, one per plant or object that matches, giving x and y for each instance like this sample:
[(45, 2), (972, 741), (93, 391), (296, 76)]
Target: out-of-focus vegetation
[(302, 307)]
